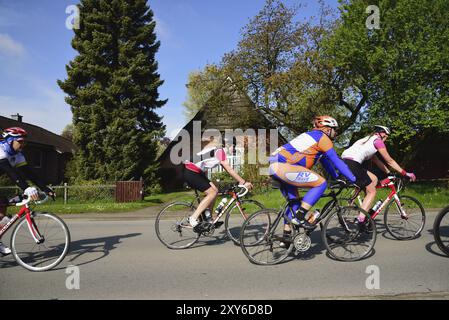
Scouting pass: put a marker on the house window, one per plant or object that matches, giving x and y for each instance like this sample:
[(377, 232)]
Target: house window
[(35, 159)]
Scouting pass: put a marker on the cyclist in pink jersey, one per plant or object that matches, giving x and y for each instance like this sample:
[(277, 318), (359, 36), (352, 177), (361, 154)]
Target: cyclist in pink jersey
[(366, 149), (212, 155)]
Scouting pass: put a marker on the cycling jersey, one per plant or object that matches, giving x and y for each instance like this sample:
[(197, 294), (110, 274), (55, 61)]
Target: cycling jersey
[(210, 158), (364, 149), (15, 159), (14, 164), (306, 149)]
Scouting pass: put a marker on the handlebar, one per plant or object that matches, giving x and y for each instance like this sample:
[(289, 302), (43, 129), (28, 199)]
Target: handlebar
[(26, 201), (245, 191), (340, 185), (239, 192)]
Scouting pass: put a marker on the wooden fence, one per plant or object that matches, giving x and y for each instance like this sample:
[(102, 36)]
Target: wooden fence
[(128, 191)]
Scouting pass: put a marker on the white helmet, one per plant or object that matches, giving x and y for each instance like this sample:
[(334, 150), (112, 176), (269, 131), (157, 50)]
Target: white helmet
[(378, 128), (325, 121)]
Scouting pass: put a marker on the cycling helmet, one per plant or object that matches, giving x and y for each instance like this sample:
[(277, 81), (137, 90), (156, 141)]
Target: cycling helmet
[(325, 121), (378, 128), (14, 133)]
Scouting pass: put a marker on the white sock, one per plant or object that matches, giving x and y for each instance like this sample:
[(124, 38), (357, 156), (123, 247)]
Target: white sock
[(193, 222)]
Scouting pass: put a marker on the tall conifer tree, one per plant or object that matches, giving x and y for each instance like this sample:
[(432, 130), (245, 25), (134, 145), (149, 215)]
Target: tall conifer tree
[(112, 88)]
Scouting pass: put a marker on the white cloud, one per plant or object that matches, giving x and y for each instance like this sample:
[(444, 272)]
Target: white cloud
[(162, 29), (10, 47), (48, 111)]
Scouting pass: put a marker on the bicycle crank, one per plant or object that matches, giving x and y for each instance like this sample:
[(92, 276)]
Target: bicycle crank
[(302, 242), (208, 229)]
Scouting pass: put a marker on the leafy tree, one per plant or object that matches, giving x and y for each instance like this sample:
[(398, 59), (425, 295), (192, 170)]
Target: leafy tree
[(279, 64), (204, 86), (398, 75), (112, 88), (67, 132)]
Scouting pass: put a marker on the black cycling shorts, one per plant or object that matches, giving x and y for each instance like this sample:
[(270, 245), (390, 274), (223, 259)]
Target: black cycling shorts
[(360, 173), (195, 180)]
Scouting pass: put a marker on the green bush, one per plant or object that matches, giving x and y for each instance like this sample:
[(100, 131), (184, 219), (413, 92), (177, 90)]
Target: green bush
[(90, 191)]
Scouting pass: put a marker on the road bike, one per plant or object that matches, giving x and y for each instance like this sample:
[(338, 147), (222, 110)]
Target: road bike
[(263, 241), (441, 230), (40, 240), (404, 216), (175, 232)]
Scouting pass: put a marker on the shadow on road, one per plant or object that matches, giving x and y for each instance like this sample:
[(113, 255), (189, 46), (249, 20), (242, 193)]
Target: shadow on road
[(103, 246), (431, 245), (81, 249), (219, 237)]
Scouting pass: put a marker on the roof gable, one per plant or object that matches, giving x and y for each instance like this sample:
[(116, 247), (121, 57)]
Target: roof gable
[(40, 135)]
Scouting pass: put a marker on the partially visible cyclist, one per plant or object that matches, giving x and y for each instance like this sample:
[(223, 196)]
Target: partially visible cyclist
[(291, 165), (366, 149), (14, 165), (212, 155)]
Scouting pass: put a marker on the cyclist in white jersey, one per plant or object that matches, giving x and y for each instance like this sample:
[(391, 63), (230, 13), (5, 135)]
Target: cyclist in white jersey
[(366, 149), (212, 155), (13, 163)]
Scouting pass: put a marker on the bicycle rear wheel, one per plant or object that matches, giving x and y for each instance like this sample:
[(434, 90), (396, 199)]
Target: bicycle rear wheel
[(234, 218), (49, 251), (405, 227), (173, 228), (441, 230), (344, 239), (261, 236)]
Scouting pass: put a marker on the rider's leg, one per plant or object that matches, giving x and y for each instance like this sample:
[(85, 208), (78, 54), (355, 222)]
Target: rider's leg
[(370, 195), (211, 195), (289, 192), (298, 176)]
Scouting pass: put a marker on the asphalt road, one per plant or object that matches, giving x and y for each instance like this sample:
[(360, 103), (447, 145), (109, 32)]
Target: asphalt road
[(120, 257)]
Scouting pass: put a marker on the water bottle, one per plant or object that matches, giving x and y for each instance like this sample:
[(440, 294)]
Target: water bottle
[(312, 217), (377, 205), (221, 205), (207, 214)]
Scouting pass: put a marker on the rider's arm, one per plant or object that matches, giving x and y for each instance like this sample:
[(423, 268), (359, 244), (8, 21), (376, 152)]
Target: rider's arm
[(326, 146), (380, 164), (231, 171), (13, 174), (340, 165), (327, 165), (392, 163), (389, 160), (27, 173), (221, 155)]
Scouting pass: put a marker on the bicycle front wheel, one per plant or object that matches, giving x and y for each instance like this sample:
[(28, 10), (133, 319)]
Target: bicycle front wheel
[(441, 230), (173, 228), (346, 240), (49, 250), (237, 215), (405, 221), (261, 238)]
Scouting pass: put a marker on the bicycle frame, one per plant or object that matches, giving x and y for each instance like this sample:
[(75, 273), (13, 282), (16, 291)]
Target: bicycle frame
[(24, 211), (388, 183), (234, 198)]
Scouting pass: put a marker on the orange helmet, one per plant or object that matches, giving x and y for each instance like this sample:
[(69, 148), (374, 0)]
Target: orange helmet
[(325, 121)]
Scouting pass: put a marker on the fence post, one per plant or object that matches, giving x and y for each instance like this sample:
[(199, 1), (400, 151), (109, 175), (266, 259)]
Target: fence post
[(65, 193)]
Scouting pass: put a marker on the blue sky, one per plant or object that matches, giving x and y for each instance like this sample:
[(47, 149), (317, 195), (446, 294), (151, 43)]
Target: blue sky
[(35, 48)]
